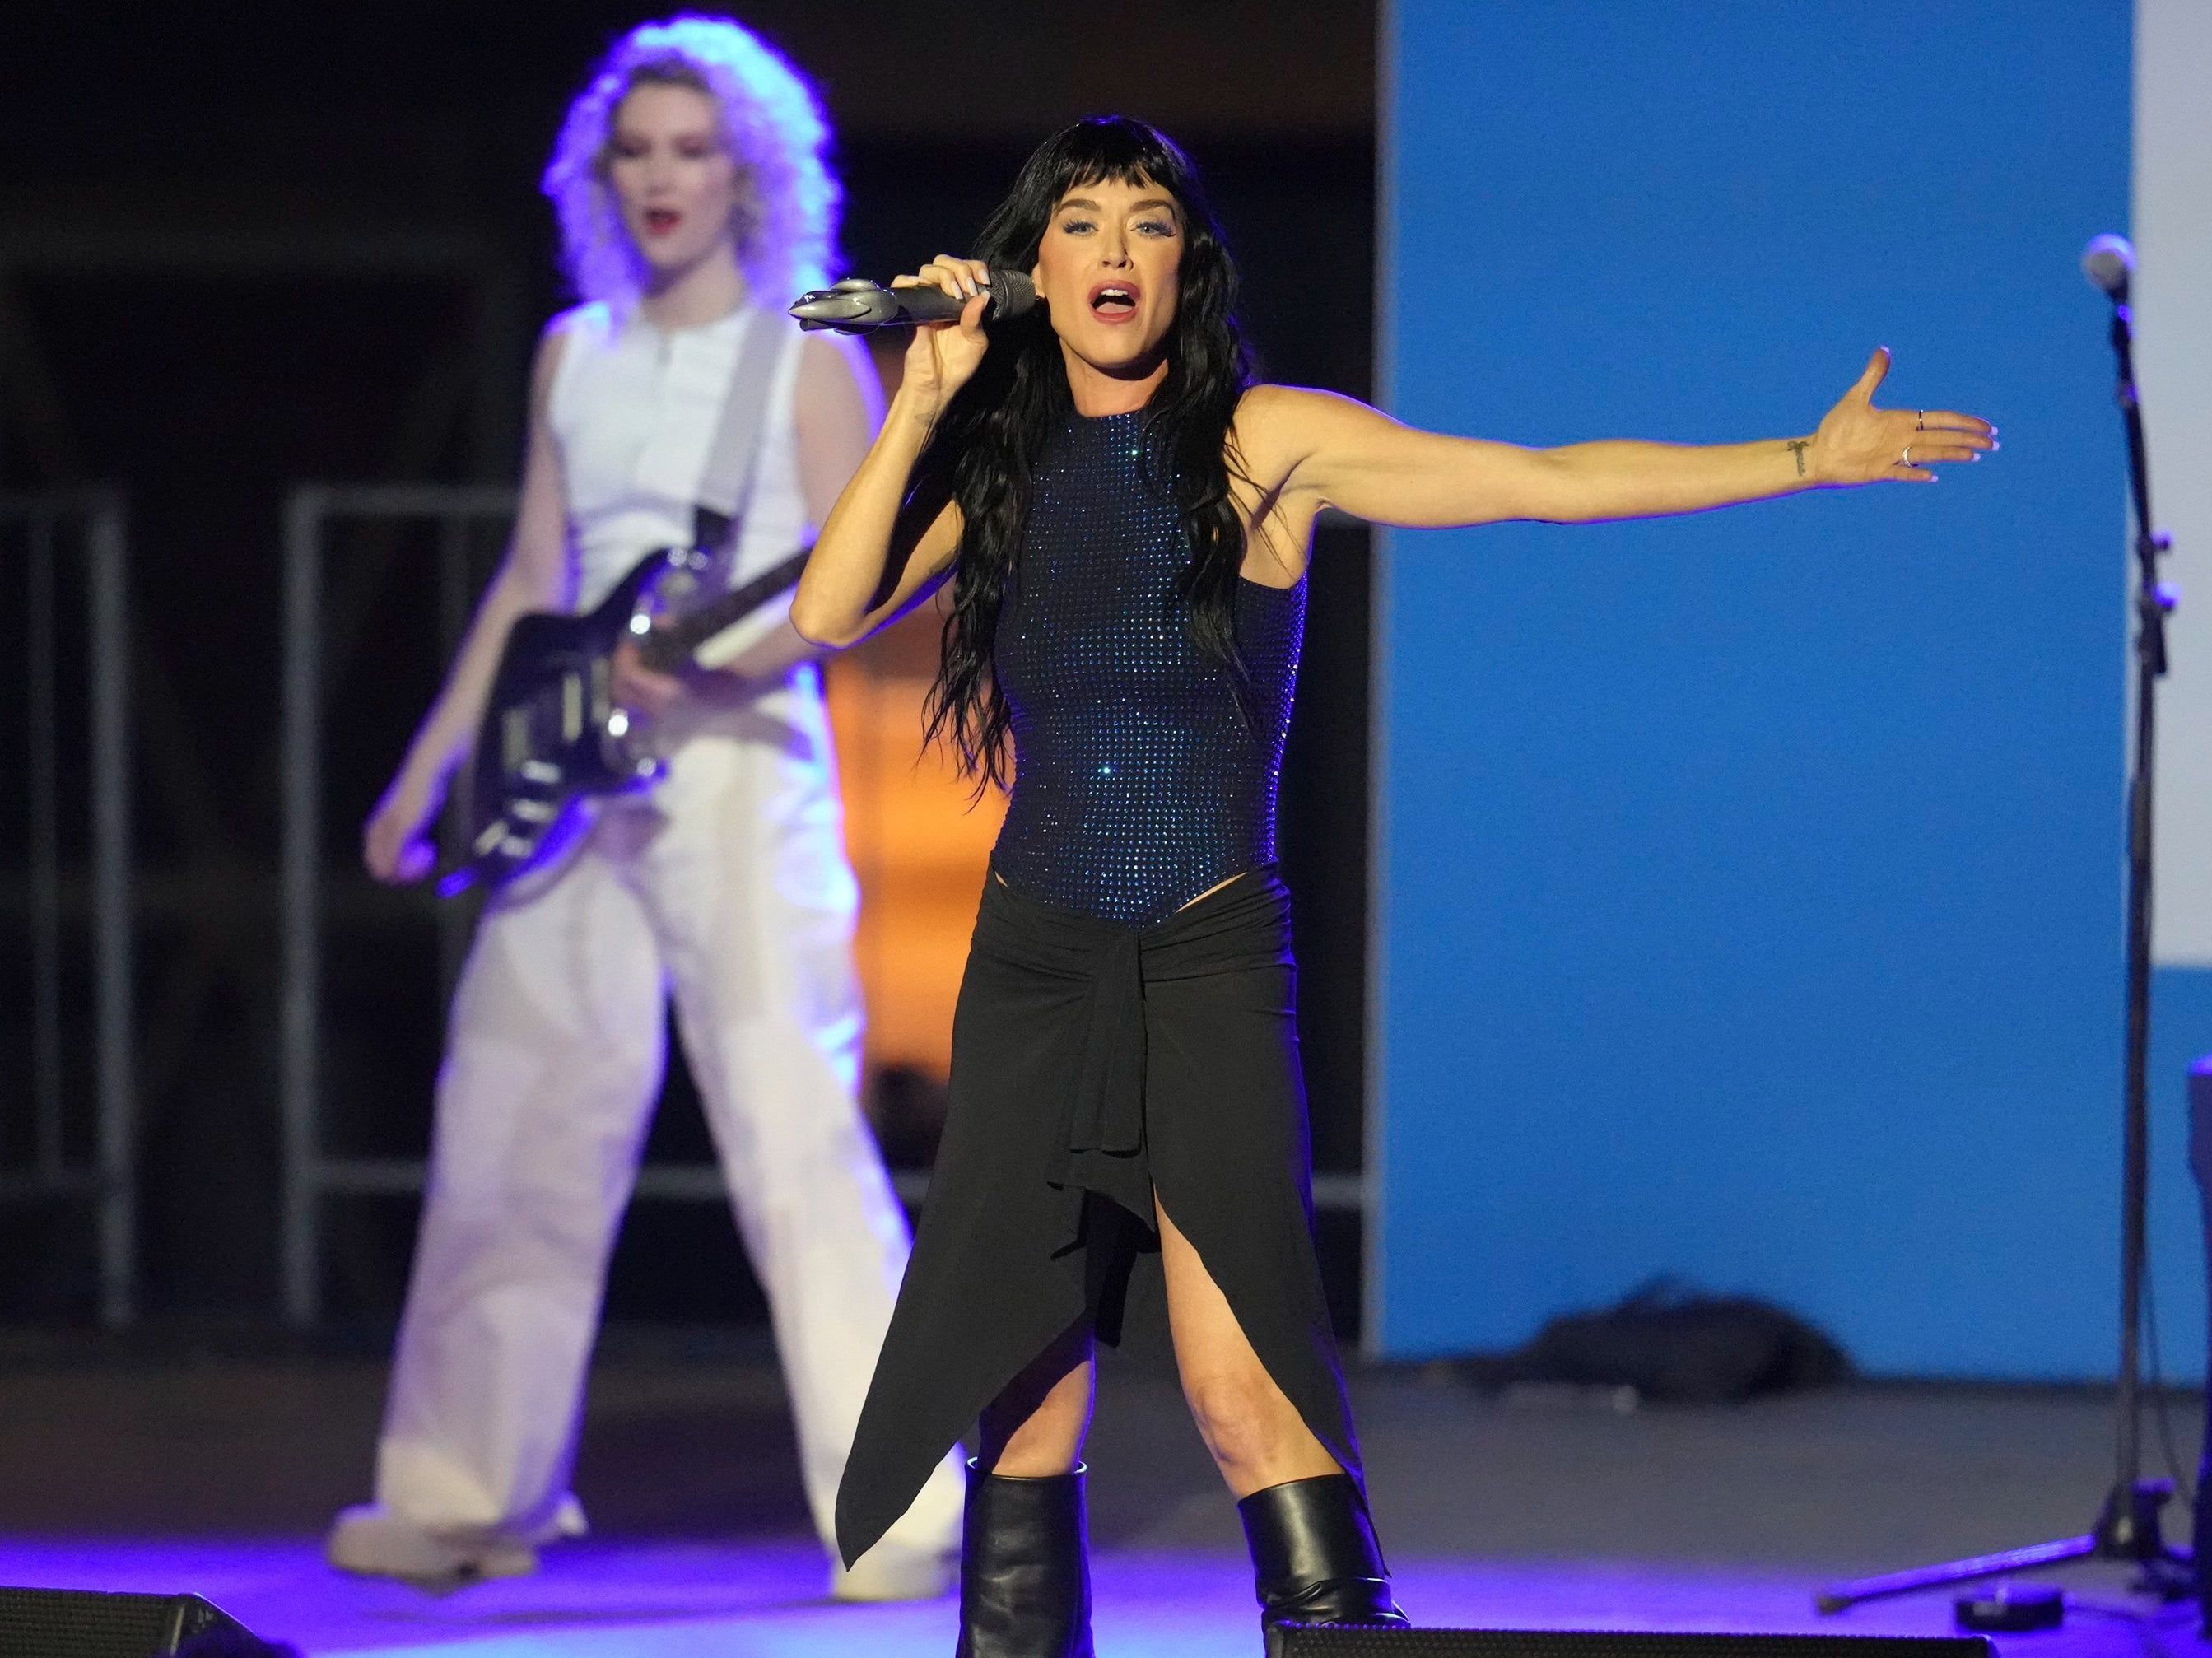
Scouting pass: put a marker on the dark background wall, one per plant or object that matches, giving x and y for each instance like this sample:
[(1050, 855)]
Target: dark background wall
[(243, 246)]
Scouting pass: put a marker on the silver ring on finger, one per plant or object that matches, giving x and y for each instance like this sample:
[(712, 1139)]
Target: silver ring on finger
[(1920, 420), (1905, 459)]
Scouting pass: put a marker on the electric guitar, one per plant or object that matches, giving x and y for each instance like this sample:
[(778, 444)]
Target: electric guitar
[(553, 736)]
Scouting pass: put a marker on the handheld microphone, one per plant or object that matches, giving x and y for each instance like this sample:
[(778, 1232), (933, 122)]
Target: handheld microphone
[(857, 306), (2108, 262)]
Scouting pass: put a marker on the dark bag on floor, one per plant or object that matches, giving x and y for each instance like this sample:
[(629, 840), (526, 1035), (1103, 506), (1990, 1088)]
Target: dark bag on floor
[(1676, 1346)]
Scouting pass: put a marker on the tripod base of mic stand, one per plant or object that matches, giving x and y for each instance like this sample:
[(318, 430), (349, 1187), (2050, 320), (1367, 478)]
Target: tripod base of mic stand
[(2127, 1530)]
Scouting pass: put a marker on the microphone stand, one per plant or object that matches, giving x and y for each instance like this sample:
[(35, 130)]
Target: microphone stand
[(2128, 1527)]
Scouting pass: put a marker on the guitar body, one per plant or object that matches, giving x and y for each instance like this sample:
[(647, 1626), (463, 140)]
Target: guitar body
[(553, 738)]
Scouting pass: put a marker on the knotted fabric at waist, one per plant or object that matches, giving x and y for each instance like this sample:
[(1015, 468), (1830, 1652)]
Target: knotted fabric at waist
[(1240, 927)]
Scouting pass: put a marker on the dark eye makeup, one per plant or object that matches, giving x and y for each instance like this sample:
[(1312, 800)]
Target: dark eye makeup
[(690, 148)]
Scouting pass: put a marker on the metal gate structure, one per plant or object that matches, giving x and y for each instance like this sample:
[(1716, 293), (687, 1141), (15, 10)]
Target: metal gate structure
[(99, 1168), (469, 389), (309, 1173)]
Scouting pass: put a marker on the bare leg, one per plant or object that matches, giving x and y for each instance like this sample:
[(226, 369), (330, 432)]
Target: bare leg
[(1257, 1437), (1024, 1569), (1035, 1429)]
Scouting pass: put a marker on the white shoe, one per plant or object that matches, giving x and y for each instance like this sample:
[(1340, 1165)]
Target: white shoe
[(369, 1540), (886, 1572)]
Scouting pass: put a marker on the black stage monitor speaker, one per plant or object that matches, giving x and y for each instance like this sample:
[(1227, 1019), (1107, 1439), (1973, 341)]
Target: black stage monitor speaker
[(1314, 1640), (78, 1624)]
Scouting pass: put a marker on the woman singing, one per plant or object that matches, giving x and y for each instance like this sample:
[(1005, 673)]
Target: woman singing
[(1125, 520), (689, 177)]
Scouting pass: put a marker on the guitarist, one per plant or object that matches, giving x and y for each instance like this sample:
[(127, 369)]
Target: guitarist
[(693, 199)]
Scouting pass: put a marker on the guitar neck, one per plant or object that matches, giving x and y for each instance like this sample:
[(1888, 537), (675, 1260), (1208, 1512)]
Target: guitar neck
[(670, 645)]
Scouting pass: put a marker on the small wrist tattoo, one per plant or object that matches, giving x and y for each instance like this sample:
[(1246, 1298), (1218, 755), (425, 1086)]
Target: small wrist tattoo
[(1797, 446)]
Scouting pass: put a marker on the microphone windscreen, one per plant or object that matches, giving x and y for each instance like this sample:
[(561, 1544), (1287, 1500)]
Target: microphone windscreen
[(1012, 292), (2108, 262)]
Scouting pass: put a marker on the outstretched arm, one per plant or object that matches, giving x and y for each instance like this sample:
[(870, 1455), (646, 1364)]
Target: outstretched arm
[(1345, 453)]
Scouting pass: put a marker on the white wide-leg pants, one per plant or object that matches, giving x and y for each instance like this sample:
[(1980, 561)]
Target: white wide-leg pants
[(727, 887)]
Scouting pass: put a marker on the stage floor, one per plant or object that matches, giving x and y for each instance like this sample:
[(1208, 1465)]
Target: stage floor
[(215, 1475), (762, 1600)]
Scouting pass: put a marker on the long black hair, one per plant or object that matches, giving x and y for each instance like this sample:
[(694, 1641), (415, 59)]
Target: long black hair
[(987, 442)]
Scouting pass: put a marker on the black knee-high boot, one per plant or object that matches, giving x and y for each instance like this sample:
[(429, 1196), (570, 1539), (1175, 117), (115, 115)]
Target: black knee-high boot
[(1314, 1559), (1024, 1568)]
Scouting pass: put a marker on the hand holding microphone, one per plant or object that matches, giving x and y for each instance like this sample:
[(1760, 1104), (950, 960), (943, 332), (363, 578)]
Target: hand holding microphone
[(857, 306), (946, 303)]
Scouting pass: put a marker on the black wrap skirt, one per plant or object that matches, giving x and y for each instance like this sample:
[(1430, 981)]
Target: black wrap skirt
[(1094, 1065)]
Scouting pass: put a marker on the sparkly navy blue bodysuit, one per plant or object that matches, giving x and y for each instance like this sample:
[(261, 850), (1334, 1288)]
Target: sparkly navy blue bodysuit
[(1138, 781), (1119, 1052)]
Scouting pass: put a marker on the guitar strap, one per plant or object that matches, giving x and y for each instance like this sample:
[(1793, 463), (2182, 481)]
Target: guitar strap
[(725, 487)]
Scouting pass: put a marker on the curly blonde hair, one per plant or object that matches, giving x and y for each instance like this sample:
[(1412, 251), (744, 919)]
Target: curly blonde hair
[(786, 218)]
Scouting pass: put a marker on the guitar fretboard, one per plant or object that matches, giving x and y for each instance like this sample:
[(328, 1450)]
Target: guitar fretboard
[(670, 645)]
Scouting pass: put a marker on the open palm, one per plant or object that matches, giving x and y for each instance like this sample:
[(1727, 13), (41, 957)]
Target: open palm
[(1858, 443)]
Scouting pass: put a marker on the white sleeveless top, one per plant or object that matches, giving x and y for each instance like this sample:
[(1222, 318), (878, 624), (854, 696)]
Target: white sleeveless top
[(634, 409)]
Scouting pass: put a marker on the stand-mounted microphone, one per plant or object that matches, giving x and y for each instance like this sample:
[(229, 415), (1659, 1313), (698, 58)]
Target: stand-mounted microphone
[(2108, 262), (2127, 1528), (857, 306)]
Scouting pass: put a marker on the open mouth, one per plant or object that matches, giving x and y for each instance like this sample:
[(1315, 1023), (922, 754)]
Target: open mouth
[(660, 220), (1114, 302)]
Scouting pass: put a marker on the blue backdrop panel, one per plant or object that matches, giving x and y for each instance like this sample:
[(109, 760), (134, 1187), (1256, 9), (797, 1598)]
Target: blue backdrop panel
[(1749, 884)]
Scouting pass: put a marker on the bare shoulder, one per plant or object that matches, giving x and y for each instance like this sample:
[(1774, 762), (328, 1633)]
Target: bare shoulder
[(1280, 427), (836, 372), (1268, 412), (826, 354), (593, 317), (552, 347)]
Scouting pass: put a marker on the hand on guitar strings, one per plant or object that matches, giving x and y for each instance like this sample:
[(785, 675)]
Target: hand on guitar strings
[(642, 690)]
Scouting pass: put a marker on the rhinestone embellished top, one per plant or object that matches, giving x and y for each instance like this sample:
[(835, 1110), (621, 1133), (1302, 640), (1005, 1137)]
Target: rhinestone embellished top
[(1139, 782)]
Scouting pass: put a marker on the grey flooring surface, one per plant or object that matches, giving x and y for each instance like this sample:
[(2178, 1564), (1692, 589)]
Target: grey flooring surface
[(1545, 1514), (692, 1439)]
